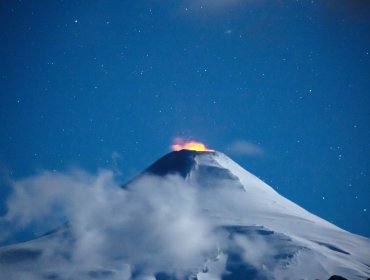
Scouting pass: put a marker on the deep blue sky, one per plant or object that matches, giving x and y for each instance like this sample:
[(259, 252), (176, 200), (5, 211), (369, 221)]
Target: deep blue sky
[(109, 84)]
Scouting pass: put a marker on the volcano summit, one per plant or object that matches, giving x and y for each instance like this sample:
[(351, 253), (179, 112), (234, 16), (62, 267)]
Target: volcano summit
[(191, 215)]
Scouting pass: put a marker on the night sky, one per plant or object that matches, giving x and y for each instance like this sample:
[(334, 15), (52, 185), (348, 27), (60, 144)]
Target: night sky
[(282, 87)]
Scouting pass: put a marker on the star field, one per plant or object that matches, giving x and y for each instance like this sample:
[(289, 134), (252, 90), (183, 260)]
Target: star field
[(110, 85)]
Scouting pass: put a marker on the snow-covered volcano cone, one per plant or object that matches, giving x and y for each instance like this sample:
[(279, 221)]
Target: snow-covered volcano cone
[(253, 232), (274, 238)]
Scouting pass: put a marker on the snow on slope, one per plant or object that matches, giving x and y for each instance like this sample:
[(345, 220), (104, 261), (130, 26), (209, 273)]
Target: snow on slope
[(241, 201), (255, 232)]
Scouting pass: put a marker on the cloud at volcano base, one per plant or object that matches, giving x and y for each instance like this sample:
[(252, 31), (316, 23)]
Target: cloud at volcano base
[(154, 225)]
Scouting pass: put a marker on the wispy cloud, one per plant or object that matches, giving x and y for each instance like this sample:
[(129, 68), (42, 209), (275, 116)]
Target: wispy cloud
[(244, 148), (116, 156), (155, 224)]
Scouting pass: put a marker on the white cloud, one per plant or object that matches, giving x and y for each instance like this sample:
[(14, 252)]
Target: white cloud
[(243, 147), (153, 225)]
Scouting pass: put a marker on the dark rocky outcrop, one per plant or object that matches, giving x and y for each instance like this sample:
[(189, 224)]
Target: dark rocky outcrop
[(337, 277)]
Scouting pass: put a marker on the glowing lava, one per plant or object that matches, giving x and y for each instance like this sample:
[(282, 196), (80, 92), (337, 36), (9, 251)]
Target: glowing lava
[(180, 144)]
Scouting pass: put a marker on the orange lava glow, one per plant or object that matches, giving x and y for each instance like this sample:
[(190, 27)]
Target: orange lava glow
[(180, 144)]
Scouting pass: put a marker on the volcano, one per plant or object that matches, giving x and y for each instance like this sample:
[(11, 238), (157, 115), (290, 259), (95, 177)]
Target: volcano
[(256, 233)]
